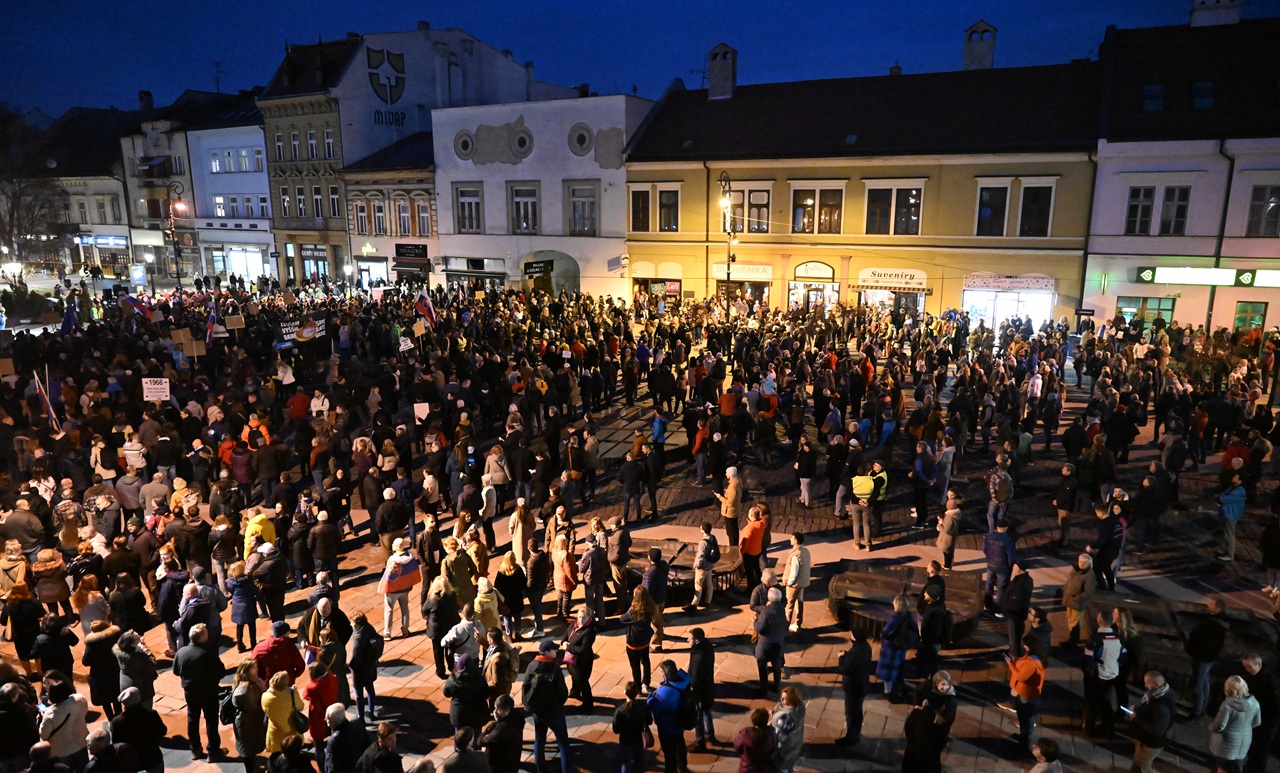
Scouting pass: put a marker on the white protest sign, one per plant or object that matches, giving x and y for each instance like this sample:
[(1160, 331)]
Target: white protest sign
[(155, 389), (405, 344)]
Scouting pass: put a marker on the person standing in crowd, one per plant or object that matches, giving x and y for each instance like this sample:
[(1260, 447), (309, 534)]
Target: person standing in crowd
[(796, 579), (1231, 732), (664, 704), (928, 725), (656, 582), (1152, 719), (631, 722), (900, 635), (706, 555), (1204, 644), (752, 547), (702, 681), (787, 722), (200, 671), (543, 694), (855, 680), (771, 631)]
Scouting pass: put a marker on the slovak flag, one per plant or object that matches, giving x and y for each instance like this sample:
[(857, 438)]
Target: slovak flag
[(213, 320), (426, 308), (139, 307)]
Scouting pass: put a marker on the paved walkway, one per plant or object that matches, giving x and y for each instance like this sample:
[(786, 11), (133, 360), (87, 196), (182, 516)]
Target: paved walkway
[(1181, 567)]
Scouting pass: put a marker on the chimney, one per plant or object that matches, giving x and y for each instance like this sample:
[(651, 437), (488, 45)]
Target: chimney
[(584, 90), (424, 26), (980, 47), (146, 101), (506, 52), (1208, 13), (529, 80), (896, 69), (722, 72)]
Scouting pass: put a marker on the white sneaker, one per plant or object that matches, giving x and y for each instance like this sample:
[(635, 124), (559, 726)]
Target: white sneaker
[(795, 629)]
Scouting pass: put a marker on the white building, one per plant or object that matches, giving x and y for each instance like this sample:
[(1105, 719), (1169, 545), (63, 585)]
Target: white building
[(1186, 207), (535, 190), (232, 197)]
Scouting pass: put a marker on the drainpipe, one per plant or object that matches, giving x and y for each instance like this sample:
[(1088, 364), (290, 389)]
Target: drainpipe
[(1222, 232), (1088, 230), (706, 238)]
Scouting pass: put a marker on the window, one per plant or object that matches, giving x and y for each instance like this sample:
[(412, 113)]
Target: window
[(102, 210), (215, 163), (328, 143), (1264, 211), (1173, 213), (302, 201), (263, 209), (279, 147), (257, 159), (379, 218), (993, 206), (362, 219), (802, 206), (284, 202), (293, 144), (468, 210), (582, 209), (640, 210), (1142, 200), (311, 145), (731, 221), (523, 207), (758, 212), (176, 166), (1249, 314), (1037, 210), (1202, 96), (1153, 98), (233, 206), (669, 210), (894, 210), (879, 205), (830, 206), (248, 206), (1145, 309), (83, 211), (317, 201), (115, 210), (333, 201), (219, 206), (406, 222), (424, 219)]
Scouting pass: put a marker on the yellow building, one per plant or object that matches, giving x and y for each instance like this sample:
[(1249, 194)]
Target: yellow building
[(924, 192)]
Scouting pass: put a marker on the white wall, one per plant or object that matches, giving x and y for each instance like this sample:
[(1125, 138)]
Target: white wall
[(207, 185)]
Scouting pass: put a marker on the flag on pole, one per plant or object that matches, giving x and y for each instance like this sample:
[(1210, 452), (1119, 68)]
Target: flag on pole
[(46, 402), (139, 307), (425, 307), (213, 321), (69, 319)]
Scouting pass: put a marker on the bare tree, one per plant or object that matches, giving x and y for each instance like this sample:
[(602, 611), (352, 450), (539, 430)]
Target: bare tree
[(29, 201)]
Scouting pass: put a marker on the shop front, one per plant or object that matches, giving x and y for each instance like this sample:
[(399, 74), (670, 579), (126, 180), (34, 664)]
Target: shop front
[(315, 261), (661, 281), (249, 261), (995, 298), (893, 289), (746, 282), (552, 271), (110, 253), (411, 261), (475, 274), (814, 285)]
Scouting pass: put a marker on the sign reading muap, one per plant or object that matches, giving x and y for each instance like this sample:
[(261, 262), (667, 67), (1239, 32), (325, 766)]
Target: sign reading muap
[(304, 329)]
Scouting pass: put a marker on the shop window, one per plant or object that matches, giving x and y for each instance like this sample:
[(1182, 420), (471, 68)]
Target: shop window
[(640, 210), (468, 210), (669, 210), (758, 212), (522, 203), (1145, 309), (1137, 221), (1249, 314), (993, 203), (1264, 211), (1037, 209), (1173, 212)]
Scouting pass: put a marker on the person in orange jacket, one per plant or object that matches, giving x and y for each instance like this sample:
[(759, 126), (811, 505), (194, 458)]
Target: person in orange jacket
[(1026, 684)]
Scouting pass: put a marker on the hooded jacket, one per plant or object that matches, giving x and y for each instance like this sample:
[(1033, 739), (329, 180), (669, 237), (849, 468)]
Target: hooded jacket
[(664, 701)]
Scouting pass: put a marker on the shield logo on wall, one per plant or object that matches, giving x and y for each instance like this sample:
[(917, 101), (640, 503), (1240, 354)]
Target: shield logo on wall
[(386, 74)]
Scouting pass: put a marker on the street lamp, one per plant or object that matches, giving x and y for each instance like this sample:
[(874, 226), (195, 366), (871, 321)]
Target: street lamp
[(151, 271), (347, 271), (177, 208), (730, 232)]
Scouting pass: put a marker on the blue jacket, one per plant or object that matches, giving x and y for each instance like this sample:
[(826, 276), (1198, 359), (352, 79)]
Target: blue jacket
[(655, 581), (998, 549), (1232, 501), (664, 701)]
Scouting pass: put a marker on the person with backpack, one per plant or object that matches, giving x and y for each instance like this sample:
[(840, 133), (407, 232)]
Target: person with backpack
[(1000, 487), (631, 722), (706, 557), (899, 635), (366, 653), (675, 709), (544, 694)]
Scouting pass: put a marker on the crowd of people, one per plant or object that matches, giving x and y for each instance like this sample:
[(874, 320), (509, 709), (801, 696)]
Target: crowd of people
[(423, 422)]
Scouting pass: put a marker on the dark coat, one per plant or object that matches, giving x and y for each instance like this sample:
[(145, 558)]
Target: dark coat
[(251, 721), (503, 741), (104, 671), (363, 663), (469, 698), (441, 615), (346, 743), (143, 729), (244, 600), (702, 676)]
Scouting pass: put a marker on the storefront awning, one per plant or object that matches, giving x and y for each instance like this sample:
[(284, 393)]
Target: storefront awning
[(893, 288)]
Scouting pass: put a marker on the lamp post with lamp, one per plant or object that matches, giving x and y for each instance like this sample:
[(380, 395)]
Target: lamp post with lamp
[(731, 229), (177, 209), (346, 270), (151, 271)]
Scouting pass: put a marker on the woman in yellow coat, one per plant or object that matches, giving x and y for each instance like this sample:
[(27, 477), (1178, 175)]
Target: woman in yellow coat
[(278, 703)]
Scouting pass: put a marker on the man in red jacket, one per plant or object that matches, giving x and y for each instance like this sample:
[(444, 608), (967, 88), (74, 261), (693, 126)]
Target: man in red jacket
[(278, 653)]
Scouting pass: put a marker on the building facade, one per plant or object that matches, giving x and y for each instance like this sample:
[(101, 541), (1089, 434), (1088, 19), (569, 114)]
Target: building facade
[(1186, 217), (391, 212), (922, 192), (232, 196), (536, 192), (336, 102)]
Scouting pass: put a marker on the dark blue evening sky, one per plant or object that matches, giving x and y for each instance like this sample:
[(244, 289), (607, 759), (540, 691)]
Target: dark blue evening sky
[(55, 55)]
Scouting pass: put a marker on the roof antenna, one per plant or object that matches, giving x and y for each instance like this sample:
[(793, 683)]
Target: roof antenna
[(217, 75)]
